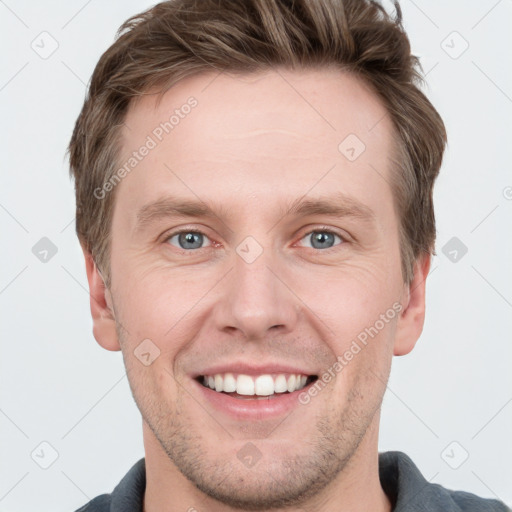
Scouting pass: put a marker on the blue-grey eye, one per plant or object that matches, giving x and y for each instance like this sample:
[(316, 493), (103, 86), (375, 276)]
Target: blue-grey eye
[(322, 239), (188, 240)]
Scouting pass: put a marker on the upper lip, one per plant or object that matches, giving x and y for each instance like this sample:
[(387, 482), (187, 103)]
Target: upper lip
[(252, 369)]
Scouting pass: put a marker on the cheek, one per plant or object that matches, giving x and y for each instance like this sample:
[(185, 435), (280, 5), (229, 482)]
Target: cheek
[(358, 308), (148, 291), (352, 296), (363, 362), (162, 305)]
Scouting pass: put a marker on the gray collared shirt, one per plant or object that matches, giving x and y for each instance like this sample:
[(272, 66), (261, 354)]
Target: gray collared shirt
[(401, 480)]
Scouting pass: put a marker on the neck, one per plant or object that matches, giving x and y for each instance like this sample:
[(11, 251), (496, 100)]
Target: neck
[(356, 487)]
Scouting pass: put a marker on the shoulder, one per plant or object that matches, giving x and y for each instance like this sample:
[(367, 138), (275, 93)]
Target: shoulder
[(99, 504), (470, 502), (128, 495), (410, 491)]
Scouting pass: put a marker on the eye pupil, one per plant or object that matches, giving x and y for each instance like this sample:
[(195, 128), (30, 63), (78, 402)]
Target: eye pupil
[(319, 238), (190, 240)]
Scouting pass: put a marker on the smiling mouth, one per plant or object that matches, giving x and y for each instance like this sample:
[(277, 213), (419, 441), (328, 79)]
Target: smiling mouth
[(247, 387)]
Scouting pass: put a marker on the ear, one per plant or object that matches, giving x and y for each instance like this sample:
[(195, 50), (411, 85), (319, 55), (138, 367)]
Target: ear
[(103, 319), (412, 316)]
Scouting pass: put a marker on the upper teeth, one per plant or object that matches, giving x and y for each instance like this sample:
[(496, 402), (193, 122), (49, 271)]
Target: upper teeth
[(262, 385)]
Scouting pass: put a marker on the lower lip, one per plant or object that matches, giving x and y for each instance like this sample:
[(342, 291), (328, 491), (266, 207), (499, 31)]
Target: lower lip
[(244, 409)]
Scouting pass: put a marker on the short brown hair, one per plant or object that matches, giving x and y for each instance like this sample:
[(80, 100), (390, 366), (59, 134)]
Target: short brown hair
[(180, 38)]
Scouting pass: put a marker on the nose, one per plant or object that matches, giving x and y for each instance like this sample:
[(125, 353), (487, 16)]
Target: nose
[(256, 299)]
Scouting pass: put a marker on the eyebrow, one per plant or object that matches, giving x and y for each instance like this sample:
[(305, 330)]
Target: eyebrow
[(337, 205), (174, 207)]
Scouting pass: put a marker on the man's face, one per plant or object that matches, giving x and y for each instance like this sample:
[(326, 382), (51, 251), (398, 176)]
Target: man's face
[(258, 288)]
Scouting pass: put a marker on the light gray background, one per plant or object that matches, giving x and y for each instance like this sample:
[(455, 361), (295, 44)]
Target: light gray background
[(57, 385)]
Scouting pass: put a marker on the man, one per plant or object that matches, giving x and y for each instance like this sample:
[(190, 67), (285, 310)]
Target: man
[(254, 202)]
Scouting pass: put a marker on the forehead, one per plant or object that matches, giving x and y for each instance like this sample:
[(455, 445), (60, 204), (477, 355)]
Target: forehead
[(329, 101), (247, 138)]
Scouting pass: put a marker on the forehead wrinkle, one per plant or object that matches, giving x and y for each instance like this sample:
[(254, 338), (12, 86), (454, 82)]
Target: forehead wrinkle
[(263, 131)]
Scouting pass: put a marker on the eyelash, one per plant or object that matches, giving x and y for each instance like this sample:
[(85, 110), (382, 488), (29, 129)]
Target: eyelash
[(320, 229)]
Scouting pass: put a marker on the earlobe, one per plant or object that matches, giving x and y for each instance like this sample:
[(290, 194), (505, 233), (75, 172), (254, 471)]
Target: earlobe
[(412, 316), (102, 312)]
